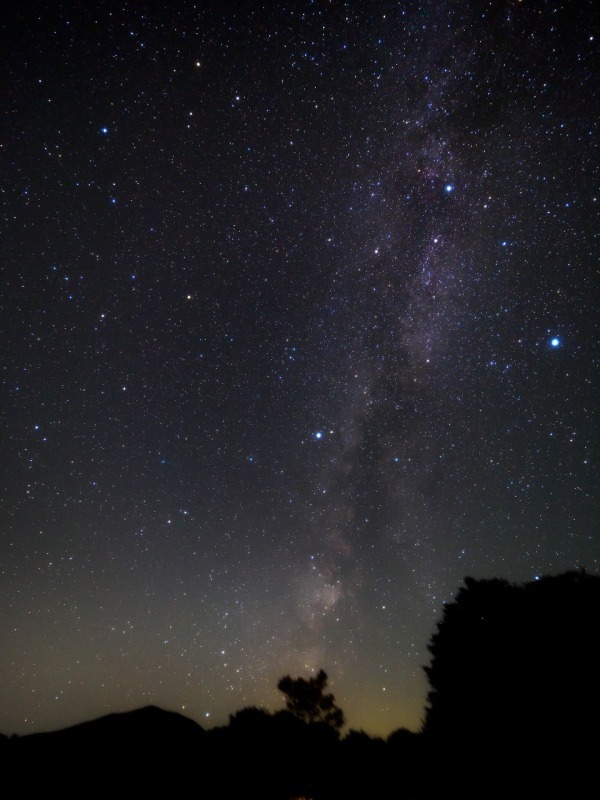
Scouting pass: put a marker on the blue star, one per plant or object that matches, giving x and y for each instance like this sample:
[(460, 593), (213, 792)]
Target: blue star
[(554, 342), (449, 187), (104, 131), (319, 435)]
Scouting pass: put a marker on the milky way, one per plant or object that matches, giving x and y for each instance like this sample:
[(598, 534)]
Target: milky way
[(298, 331)]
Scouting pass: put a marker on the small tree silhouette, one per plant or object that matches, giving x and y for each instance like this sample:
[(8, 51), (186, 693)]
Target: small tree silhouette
[(306, 700)]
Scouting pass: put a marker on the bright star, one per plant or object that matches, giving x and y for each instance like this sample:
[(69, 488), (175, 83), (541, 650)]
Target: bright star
[(554, 342), (104, 131), (449, 187), (319, 435)]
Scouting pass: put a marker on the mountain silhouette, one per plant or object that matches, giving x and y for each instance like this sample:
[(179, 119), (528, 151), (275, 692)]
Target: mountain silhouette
[(148, 727), (145, 750)]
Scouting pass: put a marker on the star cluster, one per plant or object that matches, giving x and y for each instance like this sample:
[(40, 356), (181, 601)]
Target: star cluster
[(298, 330)]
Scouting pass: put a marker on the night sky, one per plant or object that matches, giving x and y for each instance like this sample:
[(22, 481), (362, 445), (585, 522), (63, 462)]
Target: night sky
[(298, 329)]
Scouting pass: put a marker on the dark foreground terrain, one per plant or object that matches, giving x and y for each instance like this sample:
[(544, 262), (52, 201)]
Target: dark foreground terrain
[(277, 757)]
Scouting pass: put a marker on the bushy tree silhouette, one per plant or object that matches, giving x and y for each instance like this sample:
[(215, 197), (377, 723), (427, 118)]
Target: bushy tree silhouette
[(307, 700), (515, 688), (517, 660)]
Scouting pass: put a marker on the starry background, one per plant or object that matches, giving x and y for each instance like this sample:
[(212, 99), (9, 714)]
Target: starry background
[(298, 329)]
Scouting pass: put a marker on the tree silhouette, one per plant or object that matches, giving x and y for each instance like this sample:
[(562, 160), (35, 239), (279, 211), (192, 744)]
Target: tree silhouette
[(515, 688), (306, 700), (516, 661)]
